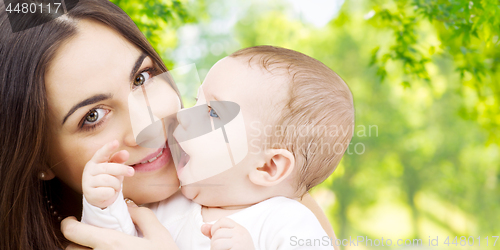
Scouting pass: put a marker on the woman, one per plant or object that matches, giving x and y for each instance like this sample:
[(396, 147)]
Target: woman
[(63, 93)]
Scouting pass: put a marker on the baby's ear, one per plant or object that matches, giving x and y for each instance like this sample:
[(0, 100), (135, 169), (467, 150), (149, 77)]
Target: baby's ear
[(278, 166)]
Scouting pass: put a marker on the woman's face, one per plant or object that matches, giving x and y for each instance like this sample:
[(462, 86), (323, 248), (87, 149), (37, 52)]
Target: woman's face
[(88, 84)]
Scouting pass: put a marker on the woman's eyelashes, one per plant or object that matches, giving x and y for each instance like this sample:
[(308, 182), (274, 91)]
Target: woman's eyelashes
[(93, 118), (143, 76), (212, 112)]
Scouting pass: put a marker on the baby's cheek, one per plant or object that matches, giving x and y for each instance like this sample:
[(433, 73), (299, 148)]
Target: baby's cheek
[(190, 192)]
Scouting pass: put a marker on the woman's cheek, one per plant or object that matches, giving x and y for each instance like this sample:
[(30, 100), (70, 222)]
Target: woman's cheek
[(77, 156)]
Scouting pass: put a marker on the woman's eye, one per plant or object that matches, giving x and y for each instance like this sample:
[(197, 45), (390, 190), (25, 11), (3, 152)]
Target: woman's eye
[(212, 112), (93, 116), (141, 78)]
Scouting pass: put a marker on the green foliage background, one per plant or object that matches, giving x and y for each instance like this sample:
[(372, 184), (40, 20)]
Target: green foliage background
[(424, 73)]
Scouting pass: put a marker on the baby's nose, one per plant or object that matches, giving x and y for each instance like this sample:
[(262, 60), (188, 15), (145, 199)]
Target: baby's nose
[(195, 121)]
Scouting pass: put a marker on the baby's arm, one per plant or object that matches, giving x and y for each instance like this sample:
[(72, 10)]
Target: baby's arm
[(227, 234), (103, 203)]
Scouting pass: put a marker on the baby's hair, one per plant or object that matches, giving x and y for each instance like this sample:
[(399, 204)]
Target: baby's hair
[(317, 121)]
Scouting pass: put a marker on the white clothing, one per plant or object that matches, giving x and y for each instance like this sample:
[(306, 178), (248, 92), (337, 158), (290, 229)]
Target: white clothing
[(276, 223)]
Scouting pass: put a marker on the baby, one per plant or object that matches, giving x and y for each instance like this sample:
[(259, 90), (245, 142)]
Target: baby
[(269, 124)]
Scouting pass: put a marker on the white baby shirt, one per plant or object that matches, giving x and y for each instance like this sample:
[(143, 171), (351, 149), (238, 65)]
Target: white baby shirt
[(276, 223)]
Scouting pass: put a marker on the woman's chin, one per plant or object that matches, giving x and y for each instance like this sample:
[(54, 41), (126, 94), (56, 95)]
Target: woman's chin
[(149, 189), (145, 196)]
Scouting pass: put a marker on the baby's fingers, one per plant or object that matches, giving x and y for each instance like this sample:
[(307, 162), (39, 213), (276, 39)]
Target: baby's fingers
[(223, 233), (223, 223), (114, 169), (102, 196), (106, 180), (221, 244), (104, 153), (119, 157), (206, 229)]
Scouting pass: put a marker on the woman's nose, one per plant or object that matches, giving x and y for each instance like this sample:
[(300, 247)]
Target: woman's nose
[(129, 138)]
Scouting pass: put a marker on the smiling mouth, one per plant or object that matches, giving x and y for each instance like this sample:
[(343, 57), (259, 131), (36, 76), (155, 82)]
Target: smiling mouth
[(150, 160), (154, 161)]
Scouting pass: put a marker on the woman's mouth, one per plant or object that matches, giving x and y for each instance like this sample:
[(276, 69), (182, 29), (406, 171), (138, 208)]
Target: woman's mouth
[(154, 161)]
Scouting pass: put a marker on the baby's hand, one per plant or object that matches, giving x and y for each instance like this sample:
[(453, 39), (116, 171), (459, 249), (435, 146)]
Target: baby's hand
[(227, 234), (103, 175)]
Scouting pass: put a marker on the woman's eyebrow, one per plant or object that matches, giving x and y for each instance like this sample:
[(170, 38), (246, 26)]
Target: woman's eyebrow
[(102, 97), (88, 101), (137, 64)]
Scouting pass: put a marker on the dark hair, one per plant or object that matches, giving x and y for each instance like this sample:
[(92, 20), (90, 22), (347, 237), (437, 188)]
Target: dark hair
[(25, 222)]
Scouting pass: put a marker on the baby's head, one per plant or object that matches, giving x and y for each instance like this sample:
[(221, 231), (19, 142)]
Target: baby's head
[(297, 117)]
